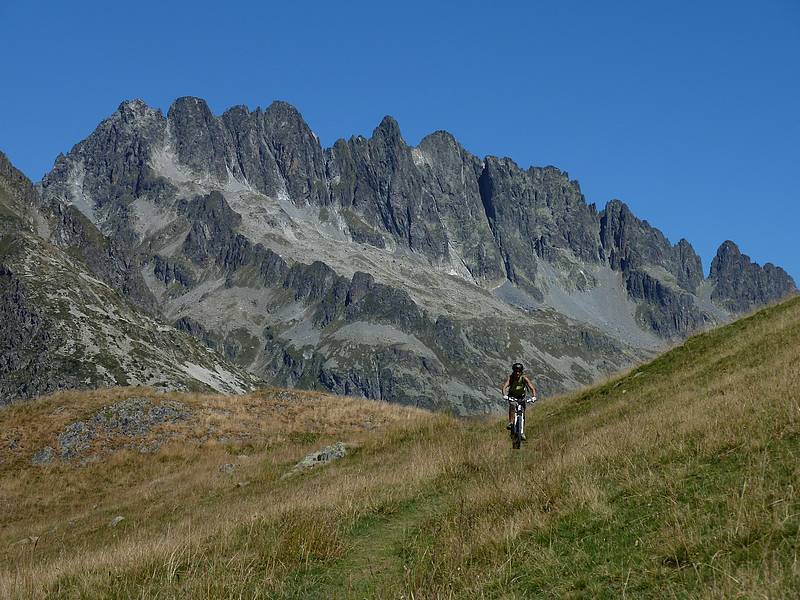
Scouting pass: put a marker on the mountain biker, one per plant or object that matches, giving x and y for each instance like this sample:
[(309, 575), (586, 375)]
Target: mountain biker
[(514, 388)]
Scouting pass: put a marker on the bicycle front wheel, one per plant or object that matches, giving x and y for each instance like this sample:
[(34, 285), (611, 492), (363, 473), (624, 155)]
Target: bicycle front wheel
[(516, 434)]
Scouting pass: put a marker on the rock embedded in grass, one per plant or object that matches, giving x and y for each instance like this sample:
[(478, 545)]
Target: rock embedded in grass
[(137, 415), (43, 457), (75, 439), (116, 521), (133, 417), (320, 457)]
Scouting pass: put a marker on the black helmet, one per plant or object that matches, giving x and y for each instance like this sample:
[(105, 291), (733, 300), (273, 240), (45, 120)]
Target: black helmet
[(517, 367)]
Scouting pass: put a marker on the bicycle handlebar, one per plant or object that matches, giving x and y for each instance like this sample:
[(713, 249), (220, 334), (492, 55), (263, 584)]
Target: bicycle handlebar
[(530, 400)]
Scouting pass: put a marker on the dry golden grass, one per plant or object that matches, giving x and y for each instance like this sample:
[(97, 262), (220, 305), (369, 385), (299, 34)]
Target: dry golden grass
[(675, 480), (178, 496)]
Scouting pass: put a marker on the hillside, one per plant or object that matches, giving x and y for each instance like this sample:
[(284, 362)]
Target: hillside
[(64, 323), (677, 479), (66, 329)]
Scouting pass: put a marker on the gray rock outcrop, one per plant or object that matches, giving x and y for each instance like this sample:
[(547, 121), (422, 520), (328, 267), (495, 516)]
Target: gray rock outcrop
[(17, 198), (319, 458), (741, 285), (127, 421)]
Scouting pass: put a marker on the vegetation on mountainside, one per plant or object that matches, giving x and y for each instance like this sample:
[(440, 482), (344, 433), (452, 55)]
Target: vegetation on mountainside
[(678, 479)]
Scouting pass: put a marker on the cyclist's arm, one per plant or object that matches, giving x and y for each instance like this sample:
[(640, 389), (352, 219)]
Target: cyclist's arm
[(530, 385), (506, 385)]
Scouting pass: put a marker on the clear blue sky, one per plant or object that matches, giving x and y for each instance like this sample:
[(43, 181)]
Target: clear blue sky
[(687, 111)]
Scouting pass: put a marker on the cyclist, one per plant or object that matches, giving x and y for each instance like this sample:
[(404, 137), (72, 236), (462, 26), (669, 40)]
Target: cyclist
[(514, 388)]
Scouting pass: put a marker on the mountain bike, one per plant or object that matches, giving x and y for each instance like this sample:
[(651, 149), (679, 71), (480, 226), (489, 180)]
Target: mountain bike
[(518, 427)]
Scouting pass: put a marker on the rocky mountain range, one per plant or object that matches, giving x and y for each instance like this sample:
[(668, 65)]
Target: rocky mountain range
[(374, 268)]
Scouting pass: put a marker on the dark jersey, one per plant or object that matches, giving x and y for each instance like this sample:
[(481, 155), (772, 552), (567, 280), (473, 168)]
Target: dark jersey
[(516, 386)]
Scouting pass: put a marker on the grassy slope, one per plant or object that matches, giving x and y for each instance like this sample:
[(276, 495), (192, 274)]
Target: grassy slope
[(678, 479)]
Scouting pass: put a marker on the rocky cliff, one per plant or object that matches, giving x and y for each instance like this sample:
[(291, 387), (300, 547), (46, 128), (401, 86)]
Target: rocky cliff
[(740, 284)]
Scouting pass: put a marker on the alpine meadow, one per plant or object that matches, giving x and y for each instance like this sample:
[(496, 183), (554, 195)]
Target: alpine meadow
[(677, 479)]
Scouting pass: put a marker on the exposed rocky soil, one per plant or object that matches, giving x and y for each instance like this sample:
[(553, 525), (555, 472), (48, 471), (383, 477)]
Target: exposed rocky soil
[(124, 424)]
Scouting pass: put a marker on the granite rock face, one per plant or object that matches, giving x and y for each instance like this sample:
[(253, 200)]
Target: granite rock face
[(663, 275), (86, 206), (630, 244), (453, 174), (666, 309), (409, 274), (534, 215), (17, 197), (200, 141), (741, 284), (27, 365), (378, 179), (114, 168)]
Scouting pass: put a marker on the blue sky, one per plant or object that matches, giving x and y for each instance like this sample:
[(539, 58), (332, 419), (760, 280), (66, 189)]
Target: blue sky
[(687, 111)]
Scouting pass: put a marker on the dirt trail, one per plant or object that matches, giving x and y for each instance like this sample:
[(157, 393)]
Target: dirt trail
[(374, 563)]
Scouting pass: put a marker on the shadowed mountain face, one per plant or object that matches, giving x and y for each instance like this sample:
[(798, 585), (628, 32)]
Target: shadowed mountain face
[(63, 327), (741, 284), (410, 274)]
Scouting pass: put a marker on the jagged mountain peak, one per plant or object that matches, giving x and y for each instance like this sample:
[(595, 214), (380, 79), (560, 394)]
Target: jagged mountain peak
[(189, 111), (241, 111), (388, 129), (284, 109), (552, 170), (133, 117), (442, 152), (444, 145), (741, 284), (726, 249), (501, 161), (729, 254), (136, 107), (621, 211), (17, 198), (617, 206), (195, 103), (191, 104), (12, 175), (438, 137)]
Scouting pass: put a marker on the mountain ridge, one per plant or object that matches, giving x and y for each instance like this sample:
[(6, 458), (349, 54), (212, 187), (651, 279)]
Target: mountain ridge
[(202, 209), (388, 128)]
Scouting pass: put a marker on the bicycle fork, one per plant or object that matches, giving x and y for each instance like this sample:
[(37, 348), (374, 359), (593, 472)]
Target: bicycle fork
[(520, 412)]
